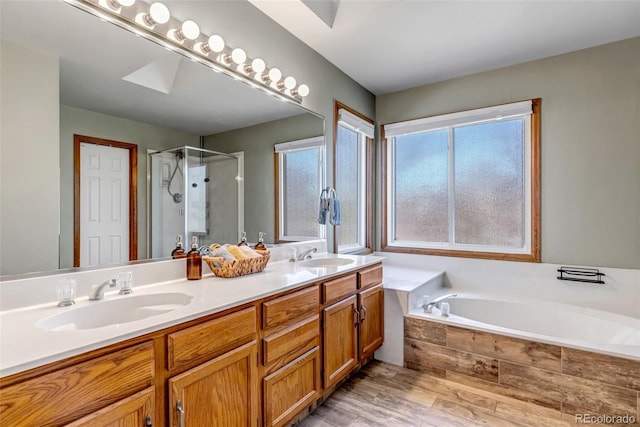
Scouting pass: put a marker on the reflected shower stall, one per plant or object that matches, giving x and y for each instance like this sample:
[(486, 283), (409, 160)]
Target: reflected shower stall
[(193, 192)]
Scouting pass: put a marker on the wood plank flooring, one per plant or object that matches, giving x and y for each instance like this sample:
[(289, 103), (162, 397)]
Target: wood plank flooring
[(390, 396)]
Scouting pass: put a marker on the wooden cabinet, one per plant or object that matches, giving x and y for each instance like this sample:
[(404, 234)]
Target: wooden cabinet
[(291, 355), (291, 389), (340, 334), (133, 411), (65, 395), (371, 309), (221, 392)]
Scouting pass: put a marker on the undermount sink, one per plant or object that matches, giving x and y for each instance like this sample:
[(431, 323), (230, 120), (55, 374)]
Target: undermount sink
[(120, 309), (326, 262)]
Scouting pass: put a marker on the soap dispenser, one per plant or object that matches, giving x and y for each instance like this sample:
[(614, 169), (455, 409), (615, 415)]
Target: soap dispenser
[(178, 252), (260, 245), (243, 240), (194, 261)]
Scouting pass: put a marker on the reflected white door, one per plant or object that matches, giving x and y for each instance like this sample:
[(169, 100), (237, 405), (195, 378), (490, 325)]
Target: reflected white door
[(104, 205)]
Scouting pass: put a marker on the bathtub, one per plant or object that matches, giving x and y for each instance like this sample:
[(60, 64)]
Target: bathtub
[(552, 323)]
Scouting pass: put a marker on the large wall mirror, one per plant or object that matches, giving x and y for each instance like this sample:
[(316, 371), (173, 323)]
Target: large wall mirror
[(116, 86)]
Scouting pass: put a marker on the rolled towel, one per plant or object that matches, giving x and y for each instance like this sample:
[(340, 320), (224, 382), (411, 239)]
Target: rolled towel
[(235, 251), (222, 253), (249, 252)]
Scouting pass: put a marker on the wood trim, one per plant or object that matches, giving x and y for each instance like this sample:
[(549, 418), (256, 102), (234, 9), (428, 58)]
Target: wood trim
[(133, 192), (536, 171), (369, 184)]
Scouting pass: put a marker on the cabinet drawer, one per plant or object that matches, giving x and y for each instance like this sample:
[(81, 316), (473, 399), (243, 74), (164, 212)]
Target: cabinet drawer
[(286, 309), (370, 276), (65, 395), (338, 289), (212, 338), (291, 389), (282, 347)]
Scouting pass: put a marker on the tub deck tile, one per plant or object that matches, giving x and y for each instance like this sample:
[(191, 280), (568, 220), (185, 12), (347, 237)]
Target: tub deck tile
[(425, 330), (451, 359), (589, 394), (601, 367), (516, 350)]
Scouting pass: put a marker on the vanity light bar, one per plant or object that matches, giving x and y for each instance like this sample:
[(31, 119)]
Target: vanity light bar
[(154, 22)]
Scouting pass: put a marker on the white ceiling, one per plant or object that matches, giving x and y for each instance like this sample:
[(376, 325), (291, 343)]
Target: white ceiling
[(391, 45)]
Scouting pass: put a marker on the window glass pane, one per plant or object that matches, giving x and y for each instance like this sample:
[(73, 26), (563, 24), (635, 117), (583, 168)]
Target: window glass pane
[(301, 177), (489, 191), (347, 184), (421, 190)]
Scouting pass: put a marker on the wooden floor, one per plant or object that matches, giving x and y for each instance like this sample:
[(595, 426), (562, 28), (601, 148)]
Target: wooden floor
[(386, 395)]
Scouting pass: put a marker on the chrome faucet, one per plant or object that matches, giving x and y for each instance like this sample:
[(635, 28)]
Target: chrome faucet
[(306, 254), (428, 307), (97, 292)]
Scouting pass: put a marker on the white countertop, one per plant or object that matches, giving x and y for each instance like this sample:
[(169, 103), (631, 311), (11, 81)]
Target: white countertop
[(23, 345)]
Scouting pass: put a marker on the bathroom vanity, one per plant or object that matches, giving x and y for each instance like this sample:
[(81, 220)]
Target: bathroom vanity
[(292, 334)]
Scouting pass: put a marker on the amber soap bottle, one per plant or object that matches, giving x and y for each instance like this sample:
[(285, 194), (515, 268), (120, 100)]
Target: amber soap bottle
[(194, 261), (178, 252)]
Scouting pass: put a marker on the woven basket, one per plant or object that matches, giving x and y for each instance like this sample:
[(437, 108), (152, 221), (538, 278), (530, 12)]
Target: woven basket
[(239, 267)]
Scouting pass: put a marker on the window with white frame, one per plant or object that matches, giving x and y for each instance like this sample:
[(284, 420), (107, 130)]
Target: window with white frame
[(465, 183), (300, 172), (352, 134)]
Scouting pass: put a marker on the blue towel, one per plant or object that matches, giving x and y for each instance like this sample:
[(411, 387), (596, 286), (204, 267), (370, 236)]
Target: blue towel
[(334, 208)]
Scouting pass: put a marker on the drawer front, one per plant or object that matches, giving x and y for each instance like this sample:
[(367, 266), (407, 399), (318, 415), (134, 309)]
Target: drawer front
[(212, 338), (370, 276), (68, 394), (338, 289), (282, 347), (286, 309), (291, 389)]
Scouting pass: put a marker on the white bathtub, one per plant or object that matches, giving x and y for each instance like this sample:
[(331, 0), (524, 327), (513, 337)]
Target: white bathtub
[(553, 323)]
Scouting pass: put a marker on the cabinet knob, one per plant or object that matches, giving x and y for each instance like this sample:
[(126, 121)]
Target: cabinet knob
[(180, 413)]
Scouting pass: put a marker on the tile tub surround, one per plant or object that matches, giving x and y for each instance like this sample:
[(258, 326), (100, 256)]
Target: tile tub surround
[(563, 379)]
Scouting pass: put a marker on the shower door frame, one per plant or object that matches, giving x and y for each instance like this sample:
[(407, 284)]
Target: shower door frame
[(133, 192)]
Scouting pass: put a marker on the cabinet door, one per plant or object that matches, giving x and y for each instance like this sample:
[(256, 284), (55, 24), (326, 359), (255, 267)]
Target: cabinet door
[(221, 392), (371, 308), (291, 389), (134, 411), (340, 339)]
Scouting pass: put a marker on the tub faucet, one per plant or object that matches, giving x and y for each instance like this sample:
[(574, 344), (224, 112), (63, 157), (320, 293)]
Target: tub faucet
[(97, 292), (428, 307), (306, 254)]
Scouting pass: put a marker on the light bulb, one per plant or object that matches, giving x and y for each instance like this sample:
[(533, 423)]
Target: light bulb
[(238, 56), (258, 65), (158, 14), (303, 90), (216, 43), (190, 30), (289, 83), (275, 75)]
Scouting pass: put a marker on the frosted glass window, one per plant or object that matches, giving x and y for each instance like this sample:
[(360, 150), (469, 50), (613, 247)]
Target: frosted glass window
[(489, 184), (421, 189), (350, 185), (301, 185), (464, 182)]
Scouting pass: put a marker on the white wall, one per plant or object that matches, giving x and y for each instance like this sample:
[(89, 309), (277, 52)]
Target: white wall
[(29, 204), (590, 144)]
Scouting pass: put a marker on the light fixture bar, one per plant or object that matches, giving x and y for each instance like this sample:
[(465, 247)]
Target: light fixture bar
[(186, 39)]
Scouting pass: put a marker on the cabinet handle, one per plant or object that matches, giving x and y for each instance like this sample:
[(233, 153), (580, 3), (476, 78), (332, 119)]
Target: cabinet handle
[(148, 422), (363, 312), (180, 413), (356, 315)]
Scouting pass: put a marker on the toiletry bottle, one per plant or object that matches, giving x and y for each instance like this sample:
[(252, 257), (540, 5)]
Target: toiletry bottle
[(260, 245), (194, 261), (243, 240), (178, 252)]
